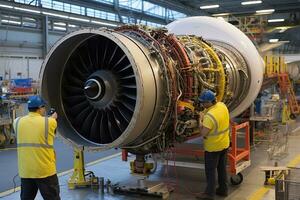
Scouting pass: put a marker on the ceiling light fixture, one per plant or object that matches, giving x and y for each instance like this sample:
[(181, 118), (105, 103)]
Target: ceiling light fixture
[(244, 3), (209, 6), (267, 11), (59, 28), (59, 23), (220, 14), (282, 30), (79, 19), (5, 6), (55, 15), (72, 26), (273, 40), (29, 19), (27, 10), (275, 20), (10, 21), (103, 23)]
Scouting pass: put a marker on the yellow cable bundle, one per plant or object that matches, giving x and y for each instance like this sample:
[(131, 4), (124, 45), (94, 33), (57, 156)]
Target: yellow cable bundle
[(219, 68)]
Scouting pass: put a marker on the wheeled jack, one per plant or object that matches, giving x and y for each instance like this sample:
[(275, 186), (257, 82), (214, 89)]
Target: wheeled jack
[(80, 177)]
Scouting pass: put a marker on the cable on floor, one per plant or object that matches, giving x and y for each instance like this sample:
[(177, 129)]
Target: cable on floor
[(176, 183)]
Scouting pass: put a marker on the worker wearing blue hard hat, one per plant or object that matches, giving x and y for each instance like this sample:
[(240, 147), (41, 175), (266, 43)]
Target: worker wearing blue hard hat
[(214, 127), (207, 96), (35, 102), (36, 157)]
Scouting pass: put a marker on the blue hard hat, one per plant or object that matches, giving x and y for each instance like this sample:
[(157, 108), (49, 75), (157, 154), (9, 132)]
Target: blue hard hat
[(36, 102), (207, 96)]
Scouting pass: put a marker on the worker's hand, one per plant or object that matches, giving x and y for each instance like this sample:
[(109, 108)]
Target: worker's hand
[(201, 115), (54, 115)]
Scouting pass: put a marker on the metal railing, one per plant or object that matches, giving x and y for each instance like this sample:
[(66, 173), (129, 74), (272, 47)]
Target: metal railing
[(288, 188)]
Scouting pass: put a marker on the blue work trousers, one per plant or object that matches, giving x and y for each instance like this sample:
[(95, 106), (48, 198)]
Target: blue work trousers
[(216, 162), (49, 188)]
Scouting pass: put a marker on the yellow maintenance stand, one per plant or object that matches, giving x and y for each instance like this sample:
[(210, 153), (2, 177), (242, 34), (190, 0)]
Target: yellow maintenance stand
[(80, 177)]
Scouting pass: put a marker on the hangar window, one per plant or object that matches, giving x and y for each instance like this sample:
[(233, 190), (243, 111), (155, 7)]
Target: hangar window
[(67, 7), (131, 4), (152, 24), (172, 14), (90, 12), (77, 10), (105, 1), (46, 3), (143, 22), (153, 9), (128, 20), (111, 16), (57, 5), (24, 1), (29, 22), (101, 14)]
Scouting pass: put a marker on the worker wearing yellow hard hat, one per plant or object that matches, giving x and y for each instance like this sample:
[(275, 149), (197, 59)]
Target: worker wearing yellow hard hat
[(214, 127), (36, 156)]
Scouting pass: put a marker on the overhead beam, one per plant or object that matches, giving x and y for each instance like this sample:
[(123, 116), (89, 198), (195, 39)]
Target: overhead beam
[(45, 36)]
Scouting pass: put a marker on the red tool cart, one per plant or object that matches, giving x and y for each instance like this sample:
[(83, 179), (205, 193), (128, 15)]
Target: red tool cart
[(238, 154), (238, 157)]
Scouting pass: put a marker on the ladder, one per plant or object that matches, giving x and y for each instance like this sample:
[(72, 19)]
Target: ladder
[(286, 89)]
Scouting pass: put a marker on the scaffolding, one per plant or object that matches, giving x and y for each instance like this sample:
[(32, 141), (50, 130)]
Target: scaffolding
[(253, 26)]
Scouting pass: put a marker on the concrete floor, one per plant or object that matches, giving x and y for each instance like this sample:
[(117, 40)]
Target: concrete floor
[(64, 153), (186, 181)]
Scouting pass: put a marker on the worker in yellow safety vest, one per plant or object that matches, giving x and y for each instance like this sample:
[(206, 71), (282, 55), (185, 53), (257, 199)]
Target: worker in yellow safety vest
[(36, 156), (214, 127)]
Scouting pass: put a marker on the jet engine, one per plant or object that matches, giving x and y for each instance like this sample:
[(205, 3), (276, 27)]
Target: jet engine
[(136, 88)]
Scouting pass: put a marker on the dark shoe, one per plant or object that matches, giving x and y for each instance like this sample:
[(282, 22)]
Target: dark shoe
[(204, 196), (221, 193)]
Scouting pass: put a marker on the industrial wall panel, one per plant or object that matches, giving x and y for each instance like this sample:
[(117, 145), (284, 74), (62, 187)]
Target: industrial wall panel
[(20, 67)]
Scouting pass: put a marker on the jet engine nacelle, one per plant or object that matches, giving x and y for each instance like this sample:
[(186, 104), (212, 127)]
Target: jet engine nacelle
[(136, 88)]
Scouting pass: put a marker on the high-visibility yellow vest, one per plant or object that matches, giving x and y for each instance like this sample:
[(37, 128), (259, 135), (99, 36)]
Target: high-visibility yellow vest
[(217, 119), (35, 138)]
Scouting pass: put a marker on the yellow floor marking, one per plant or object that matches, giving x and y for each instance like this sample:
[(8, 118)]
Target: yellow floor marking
[(10, 191), (294, 162), (259, 194), (7, 149)]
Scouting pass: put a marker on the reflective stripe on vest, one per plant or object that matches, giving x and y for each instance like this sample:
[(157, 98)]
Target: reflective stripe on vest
[(35, 145), (46, 145), (216, 132), (46, 130), (17, 123)]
